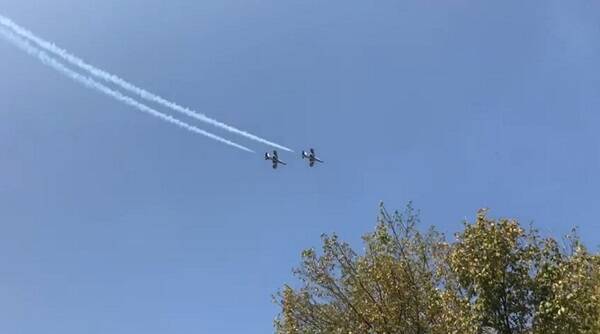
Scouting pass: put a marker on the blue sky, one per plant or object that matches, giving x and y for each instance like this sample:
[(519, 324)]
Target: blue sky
[(113, 221)]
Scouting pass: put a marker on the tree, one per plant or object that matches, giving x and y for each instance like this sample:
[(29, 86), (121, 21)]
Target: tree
[(391, 286), (493, 262), (567, 288), (496, 277)]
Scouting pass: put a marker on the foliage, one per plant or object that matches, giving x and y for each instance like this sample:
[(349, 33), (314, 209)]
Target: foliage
[(492, 261), (567, 288), (497, 277)]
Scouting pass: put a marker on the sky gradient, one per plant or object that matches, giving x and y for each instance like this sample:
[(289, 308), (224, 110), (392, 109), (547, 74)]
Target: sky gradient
[(112, 221)]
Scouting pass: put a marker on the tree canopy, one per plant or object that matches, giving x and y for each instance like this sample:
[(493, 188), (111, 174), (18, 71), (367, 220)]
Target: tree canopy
[(495, 277)]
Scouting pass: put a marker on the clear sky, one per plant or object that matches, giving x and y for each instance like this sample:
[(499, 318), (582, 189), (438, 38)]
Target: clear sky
[(112, 221)]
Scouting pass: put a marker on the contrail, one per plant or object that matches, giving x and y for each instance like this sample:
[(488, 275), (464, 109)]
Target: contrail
[(144, 94), (90, 83)]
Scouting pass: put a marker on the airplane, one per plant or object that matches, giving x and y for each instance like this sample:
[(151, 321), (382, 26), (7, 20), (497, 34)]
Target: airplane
[(275, 158), (312, 158)]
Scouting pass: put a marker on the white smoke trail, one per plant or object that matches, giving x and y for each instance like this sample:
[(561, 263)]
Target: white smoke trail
[(74, 60), (90, 83)]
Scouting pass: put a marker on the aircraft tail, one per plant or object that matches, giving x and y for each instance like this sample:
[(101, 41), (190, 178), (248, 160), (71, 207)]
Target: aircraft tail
[(304, 155), (267, 156)]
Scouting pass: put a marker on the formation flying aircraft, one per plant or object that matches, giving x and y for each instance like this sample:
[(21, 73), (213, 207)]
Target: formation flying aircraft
[(312, 158), (274, 158)]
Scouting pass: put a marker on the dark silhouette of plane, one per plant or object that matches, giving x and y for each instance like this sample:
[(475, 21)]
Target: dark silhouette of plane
[(312, 158), (274, 158)]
